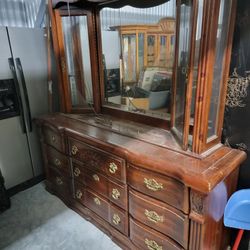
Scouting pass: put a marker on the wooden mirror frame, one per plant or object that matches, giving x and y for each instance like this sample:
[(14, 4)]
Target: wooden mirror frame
[(204, 82), (57, 31)]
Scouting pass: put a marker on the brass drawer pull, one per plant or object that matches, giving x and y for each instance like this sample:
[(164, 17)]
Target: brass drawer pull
[(57, 162), (153, 216), (152, 245), (59, 181), (74, 150), (115, 194), (152, 184), (77, 172), (78, 194), (97, 201), (112, 167), (116, 219), (96, 177)]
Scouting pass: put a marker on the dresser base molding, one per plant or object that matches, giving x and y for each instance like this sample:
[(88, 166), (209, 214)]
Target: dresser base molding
[(121, 240)]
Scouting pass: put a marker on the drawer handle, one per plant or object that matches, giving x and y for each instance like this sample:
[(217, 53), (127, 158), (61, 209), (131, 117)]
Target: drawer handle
[(116, 219), (152, 184), (74, 150), (97, 201), (96, 177), (153, 216), (57, 162), (152, 245), (115, 194), (59, 181), (77, 172), (112, 167), (78, 194)]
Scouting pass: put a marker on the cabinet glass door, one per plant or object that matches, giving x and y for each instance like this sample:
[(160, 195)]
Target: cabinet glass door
[(182, 69)]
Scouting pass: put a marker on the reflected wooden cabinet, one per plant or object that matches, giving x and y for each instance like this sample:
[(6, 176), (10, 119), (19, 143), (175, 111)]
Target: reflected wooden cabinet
[(148, 178), (145, 46)]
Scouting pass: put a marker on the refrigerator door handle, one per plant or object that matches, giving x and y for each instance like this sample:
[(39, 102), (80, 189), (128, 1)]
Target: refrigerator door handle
[(13, 70), (26, 97)]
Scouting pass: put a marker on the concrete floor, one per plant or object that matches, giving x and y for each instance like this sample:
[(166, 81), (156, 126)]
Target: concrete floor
[(39, 220)]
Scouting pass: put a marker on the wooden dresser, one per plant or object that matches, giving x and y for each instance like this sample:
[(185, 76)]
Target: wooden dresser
[(144, 196)]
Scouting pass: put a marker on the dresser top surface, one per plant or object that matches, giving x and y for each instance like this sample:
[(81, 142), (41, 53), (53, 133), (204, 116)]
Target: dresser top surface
[(199, 173)]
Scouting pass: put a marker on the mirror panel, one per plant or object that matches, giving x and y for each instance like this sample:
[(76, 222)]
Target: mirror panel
[(76, 43), (138, 69)]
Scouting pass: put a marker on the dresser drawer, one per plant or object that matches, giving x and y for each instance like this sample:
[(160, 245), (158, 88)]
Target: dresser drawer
[(159, 216), (60, 183), (118, 218), (118, 194), (78, 172), (146, 238), (94, 158), (58, 160), (96, 182), (79, 192), (53, 138), (158, 186), (97, 204)]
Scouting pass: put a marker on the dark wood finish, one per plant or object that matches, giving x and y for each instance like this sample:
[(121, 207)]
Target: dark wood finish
[(98, 159), (61, 184), (146, 238), (53, 138), (205, 76), (58, 160), (159, 216), (184, 191), (161, 187), (97, 204), (181, 178), (118, 194), (119, 219)]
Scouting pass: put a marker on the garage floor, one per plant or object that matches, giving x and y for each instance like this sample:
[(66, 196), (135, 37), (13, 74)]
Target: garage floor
[(39, 220)]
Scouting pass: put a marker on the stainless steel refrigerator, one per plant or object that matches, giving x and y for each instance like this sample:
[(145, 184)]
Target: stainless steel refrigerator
[(23, 96)]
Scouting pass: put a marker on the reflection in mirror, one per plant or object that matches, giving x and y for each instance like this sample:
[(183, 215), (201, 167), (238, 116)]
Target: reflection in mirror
[(138, 56), (76, 43)]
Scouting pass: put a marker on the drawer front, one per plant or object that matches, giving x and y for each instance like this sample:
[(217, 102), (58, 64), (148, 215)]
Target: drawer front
[(53, 138), (60, 183), (95, 158), (146, 238), (161, 187), (58, 160), (118, 194), (159, 216), (96, 182), (78, 173), (97, 204), (79, 192), (118, 219)]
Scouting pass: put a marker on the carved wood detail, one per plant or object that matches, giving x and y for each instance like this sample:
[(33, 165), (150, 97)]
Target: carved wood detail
[(195, 237), (197, 203)]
